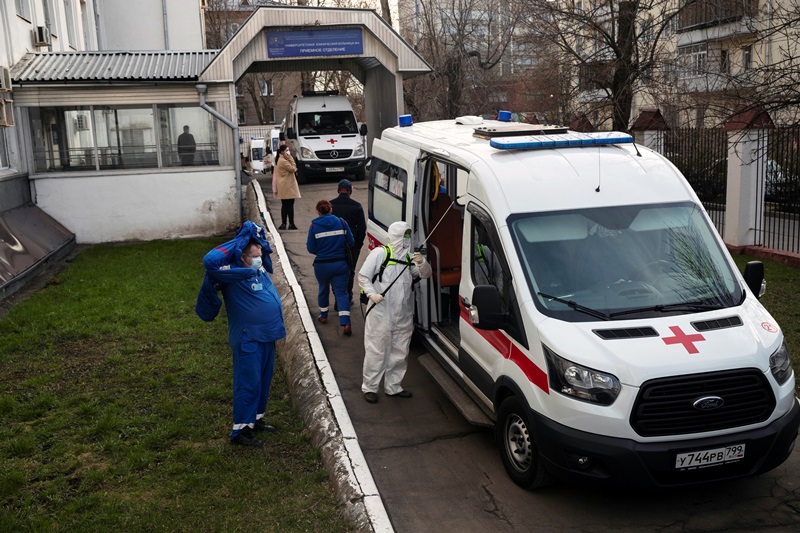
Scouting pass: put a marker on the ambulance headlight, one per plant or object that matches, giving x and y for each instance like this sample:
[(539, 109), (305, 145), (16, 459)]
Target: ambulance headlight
[(580, 382), (780, 364), (359, 151), (307, 154)]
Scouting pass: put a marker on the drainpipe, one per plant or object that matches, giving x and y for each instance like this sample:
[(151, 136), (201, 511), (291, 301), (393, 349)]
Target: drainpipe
[(166, 24), (202, 88)]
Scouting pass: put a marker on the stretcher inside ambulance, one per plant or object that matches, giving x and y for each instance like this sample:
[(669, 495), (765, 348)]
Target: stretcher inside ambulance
[(582, 298)]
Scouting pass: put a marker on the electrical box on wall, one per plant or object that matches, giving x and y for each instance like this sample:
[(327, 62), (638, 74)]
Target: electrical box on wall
[(41, 36)]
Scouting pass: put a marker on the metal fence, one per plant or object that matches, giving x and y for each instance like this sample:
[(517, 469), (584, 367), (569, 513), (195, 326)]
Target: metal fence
[(702, 156), (778, 177)]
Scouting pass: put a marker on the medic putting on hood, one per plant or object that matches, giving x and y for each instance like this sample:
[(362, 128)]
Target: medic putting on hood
[(386, 280)]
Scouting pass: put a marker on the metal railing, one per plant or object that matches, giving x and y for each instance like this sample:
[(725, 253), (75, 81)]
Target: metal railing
[(702, 156), (778, 189)]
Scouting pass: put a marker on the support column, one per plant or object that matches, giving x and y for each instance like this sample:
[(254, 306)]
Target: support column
[(747, 159)]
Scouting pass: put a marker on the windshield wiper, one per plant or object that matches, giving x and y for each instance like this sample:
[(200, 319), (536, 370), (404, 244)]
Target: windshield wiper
[(682, 306), (576, 306)]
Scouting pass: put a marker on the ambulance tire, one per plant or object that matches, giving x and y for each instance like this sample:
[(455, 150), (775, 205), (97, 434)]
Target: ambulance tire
[(300, 176), (521, 458), (361, 175)]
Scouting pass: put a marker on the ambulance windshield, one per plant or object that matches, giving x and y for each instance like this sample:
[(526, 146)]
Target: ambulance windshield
[(624, 262), (327, 123)]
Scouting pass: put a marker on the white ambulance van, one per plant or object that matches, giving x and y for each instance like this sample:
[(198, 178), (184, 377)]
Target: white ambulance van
[(324, 137), (584, 305), (259, 155)]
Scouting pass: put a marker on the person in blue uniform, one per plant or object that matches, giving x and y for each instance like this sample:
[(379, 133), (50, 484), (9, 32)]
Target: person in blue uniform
[(329, 239), (240, 269)]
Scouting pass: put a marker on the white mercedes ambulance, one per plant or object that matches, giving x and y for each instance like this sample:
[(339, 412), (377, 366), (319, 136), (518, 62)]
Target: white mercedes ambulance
[(324, 137), (582, 298)]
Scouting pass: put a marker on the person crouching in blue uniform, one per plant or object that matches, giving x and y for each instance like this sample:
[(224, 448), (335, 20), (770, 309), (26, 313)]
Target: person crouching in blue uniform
[(329, 238), (240, 269)]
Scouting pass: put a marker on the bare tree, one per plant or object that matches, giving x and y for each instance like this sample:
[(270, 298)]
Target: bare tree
[(464, 41), (611, 44)]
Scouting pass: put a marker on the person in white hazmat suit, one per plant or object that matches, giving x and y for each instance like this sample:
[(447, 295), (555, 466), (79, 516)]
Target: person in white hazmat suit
[(390, 322)]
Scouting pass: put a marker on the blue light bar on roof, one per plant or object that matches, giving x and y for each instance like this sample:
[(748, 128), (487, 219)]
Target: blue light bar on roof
[(405, 120), (560, 140)]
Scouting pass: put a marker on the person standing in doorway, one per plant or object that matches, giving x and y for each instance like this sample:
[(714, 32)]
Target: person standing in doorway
[(352, 212), (240, 269), (329, 238), (186, 147), (390, 319), (284, 185)]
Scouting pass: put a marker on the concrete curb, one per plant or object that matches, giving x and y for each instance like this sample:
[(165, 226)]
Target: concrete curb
[(315, 393)]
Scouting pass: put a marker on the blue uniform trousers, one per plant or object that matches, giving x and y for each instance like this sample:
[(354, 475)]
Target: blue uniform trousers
[(253, 365), (333, 274)]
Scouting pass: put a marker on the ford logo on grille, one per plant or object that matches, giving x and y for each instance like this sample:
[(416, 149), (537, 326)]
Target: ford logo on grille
[(334, 154), (708, 403)]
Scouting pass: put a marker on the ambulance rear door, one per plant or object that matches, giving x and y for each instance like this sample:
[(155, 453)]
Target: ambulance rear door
[(391, 189)]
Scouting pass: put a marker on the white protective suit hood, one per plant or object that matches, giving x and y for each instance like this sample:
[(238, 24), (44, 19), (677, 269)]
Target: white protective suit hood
[(396, 232)]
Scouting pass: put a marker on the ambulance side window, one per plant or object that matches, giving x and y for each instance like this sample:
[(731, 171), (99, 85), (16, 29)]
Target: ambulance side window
[(490, 267), (387, 193)]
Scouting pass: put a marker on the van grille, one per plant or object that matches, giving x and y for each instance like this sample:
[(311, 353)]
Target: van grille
[(665, 406), (329, 154)]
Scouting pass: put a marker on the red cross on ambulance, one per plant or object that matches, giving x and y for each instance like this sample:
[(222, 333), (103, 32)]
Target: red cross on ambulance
[(332, 141), (682, 338)]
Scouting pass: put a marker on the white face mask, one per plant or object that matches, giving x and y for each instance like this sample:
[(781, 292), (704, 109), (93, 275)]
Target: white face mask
[(256, 263)]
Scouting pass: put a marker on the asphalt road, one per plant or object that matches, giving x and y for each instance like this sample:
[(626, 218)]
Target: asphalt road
[(436, 472)]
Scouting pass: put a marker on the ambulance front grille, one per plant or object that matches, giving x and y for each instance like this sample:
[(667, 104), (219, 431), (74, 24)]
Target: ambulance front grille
[(333, 154), (667, 406)]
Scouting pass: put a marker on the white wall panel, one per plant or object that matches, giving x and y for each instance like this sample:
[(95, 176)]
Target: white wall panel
[(145, 207)]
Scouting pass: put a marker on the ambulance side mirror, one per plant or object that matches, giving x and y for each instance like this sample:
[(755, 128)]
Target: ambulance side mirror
[(754, 277), (486, 311), (290, 134), (363, 130)]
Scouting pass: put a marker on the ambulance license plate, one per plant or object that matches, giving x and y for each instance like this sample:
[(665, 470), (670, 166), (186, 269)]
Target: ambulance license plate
[(716, 456), (334, 169)]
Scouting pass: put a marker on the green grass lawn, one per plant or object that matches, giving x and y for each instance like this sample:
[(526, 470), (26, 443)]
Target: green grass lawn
[(115, 409)]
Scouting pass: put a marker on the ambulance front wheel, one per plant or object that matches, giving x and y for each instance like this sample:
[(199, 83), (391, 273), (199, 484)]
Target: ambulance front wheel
[(301, 176), (517, 445)]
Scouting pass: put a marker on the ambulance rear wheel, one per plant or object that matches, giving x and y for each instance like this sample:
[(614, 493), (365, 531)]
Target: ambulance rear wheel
[(518, 449)]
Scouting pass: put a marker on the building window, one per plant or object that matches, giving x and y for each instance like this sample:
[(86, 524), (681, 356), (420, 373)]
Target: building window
[(69, 14), (724, 62), (4, 163), (747, 58), (176, 147), (126, 137), (50, 19), (233, 27), (23, 9), (693, 60), (266, 88), (58, 144)]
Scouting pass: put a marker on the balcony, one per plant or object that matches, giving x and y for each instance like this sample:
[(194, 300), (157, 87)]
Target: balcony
[(594, 75), (700, 14)]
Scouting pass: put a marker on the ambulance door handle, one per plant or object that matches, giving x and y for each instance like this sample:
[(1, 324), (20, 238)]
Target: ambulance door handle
[(465, 301)]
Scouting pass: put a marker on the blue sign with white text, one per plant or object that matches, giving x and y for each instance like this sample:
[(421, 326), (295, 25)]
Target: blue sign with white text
[(314, 42)]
